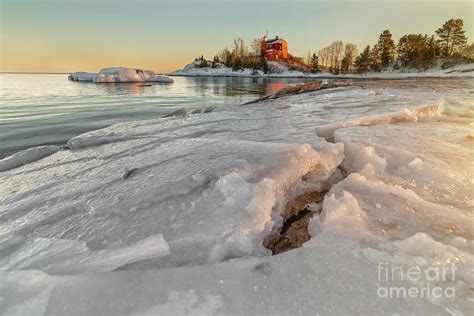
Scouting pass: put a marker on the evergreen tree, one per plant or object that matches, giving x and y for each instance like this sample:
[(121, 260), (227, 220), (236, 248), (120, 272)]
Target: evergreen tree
[(417, 50), (345, 64), (238, 64), (350, 52), (202, 62), (468, 52), (411, 50), (363, 61), (433, 50), (451, 36), (386, 48), (264, 65), (375, 61), (314, 63), (215, 61)]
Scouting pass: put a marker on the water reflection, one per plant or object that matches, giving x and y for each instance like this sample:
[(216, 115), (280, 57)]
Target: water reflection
[(125, 88), (48, 109)]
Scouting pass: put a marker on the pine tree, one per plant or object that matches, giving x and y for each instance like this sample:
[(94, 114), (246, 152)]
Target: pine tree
[(345, 64), (264, 65), (386, 48), (215, 61), (363, 61), (468, 52), (431, 50), (350, 52), (451, 36), (238, 64), (202, 62), (375, 61), (314, 63)]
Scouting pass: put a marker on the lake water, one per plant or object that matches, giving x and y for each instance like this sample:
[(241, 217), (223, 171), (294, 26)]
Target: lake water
[(38, 109)]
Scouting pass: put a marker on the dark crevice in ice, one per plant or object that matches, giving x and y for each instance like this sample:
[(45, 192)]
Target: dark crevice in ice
[(293, 219), (296, 216), (294, 231)]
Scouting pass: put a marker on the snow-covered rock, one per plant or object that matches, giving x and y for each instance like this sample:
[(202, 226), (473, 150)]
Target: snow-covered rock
[(82, 76), (120, 74)]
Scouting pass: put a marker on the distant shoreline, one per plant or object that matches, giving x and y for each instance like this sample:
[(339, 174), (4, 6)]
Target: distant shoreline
[(398, 76)]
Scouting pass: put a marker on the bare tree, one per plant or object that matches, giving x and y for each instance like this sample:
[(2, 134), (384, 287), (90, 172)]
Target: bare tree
[(256, 47), (236, 46), (241, 48), (336, 48), (323, 55), (350, 53)]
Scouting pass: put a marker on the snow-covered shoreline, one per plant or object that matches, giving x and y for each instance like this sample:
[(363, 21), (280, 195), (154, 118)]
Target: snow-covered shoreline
[(190, 70), (181, 207)]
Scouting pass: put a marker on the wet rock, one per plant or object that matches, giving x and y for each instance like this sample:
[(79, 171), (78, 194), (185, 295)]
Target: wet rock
[(291, 90), (178, 113), (296, 216), (206, 109), (129, 172)]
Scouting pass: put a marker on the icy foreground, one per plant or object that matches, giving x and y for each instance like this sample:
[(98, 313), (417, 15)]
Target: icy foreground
[(118, 75), (168, 216)]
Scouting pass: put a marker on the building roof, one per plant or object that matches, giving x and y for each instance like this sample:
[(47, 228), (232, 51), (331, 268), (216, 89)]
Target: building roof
[(274, 41)]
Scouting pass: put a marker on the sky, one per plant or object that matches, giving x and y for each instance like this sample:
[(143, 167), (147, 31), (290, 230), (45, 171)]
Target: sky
[(87, 35)]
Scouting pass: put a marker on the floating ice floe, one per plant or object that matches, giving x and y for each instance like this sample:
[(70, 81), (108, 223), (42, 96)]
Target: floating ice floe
[(120, 74)]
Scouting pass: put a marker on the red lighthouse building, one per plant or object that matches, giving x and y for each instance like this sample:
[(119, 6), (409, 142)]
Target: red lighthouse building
[(275, 49)]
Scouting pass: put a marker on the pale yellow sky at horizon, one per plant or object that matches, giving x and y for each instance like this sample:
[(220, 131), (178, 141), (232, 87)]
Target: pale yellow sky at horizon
[(73, 35)]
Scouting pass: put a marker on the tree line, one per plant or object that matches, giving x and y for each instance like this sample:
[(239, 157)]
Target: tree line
[(239, 56), (412, 51), (418, 51)]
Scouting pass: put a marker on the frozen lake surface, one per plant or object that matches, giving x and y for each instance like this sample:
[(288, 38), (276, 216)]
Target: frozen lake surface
[(170, 216)]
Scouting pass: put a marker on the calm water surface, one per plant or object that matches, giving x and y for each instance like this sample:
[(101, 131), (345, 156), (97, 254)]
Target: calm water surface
[(38, 109)]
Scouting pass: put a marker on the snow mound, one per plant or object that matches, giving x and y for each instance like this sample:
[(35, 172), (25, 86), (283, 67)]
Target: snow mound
[(26, 156), (120, 74)]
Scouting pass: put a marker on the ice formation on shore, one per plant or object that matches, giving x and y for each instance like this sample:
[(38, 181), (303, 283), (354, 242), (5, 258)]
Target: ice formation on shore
[(26, 156), (183, 232), (120, 74)]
